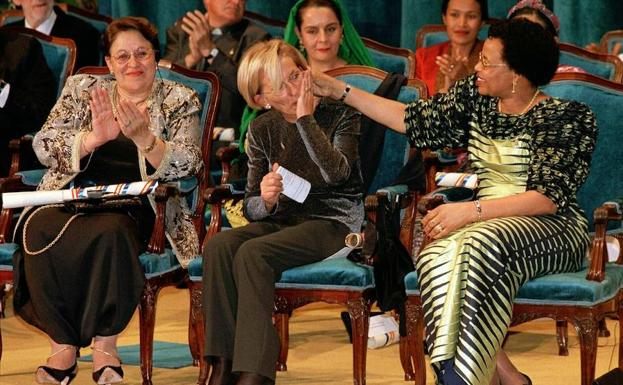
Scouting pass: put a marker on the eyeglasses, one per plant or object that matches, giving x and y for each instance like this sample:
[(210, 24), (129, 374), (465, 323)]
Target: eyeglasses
[(293, 79), (140, 54), (485, 63)]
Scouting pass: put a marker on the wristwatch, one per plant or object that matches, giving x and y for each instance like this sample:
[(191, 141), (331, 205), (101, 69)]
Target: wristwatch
[(212, 55)]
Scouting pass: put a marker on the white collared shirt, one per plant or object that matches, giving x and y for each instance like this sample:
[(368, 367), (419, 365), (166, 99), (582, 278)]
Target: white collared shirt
[(46, 26)]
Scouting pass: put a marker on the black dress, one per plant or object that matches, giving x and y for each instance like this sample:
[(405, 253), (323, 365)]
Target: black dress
[(89, 282)]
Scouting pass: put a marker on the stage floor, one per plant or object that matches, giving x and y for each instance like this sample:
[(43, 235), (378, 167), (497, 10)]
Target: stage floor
[(319, 350)]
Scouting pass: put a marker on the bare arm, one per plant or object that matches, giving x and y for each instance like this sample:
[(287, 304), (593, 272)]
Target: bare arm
[(385, 111), (453, 216)]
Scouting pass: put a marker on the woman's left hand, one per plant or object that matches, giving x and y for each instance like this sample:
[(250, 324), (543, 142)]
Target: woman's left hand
[(444, 219), (134, 122), (305, 102)]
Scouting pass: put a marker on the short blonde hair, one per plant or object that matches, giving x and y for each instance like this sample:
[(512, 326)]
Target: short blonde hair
[(264, 59)]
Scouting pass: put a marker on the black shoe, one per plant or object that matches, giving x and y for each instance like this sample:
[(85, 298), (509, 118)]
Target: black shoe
[(48, 375), (108, 374), (529, 381)]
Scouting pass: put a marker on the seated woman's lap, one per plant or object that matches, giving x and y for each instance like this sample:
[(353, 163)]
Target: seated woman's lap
[(278, 246)]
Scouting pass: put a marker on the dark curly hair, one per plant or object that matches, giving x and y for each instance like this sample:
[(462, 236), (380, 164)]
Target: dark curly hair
[(528, 49), (484, 8), (131, 23)]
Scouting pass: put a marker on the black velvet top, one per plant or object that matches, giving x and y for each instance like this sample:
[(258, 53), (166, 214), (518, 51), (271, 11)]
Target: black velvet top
[(323, 149)]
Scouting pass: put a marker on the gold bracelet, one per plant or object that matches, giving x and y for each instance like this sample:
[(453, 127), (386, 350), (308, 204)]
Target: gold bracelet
[(478, 210), (151, 146)]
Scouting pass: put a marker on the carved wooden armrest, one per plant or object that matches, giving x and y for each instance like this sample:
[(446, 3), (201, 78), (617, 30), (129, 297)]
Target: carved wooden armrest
[(19, 148), (603, 214), (161, 196), (226, 155), (10, 184), (215, 196)]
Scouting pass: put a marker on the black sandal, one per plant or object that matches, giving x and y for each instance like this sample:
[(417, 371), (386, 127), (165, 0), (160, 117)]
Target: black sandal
[(108, 374), (48, 375)]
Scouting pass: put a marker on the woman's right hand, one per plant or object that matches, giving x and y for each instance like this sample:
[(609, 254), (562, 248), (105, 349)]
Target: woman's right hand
[(271, 187), (103, 123), (325, 85)]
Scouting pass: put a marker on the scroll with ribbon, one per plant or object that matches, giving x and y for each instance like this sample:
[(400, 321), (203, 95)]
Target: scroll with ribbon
[(456, 179), (39, 198)]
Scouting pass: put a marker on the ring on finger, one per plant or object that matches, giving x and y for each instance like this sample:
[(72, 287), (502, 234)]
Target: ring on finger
[(439, 228)]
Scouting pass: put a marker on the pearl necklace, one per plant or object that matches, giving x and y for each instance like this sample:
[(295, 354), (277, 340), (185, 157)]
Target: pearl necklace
[(536, 93)]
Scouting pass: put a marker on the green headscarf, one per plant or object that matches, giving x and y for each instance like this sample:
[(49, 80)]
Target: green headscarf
[(352, 50)]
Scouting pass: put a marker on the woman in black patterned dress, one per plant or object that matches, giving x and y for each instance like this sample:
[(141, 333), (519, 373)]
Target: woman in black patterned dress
[(531, 152)]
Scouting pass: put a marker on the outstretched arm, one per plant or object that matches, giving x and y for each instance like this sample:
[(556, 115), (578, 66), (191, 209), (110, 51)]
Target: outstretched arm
[(385, 111)]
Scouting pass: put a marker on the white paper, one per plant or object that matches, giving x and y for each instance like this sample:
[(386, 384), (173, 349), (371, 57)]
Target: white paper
[(383, 331), (294, 187)]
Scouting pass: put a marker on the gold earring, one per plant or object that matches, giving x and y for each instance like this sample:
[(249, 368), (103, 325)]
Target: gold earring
[(514, 85), (301, 47), (267, 106)]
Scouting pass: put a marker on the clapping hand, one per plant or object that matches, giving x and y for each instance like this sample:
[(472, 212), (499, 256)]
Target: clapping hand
[(134, 123), (196, 25), (451, 68), (270, 188), (103, 123)]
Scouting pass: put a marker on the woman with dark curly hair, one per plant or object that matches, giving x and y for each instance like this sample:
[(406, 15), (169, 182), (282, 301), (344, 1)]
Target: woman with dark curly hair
[(531, 153)]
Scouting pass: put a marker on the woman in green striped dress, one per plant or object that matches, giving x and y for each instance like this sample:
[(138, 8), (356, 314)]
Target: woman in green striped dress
[(531, 153)]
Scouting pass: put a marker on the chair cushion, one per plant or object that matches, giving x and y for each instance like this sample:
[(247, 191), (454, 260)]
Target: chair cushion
[(195, 269), (32, 177), (6, 255), (411, 284), (571, 288), (335, 274), (156, 264)]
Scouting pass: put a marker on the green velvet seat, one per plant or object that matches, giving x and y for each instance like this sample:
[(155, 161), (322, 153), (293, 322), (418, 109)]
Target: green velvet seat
[(333, 280), (586, 296)]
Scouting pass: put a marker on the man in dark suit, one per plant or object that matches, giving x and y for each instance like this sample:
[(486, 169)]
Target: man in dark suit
[(28, 90), (215, 41), (43, 16)]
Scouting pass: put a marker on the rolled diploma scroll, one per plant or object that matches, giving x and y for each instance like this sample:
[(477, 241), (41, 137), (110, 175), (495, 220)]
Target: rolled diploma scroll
[(39, 198), (456, 179)]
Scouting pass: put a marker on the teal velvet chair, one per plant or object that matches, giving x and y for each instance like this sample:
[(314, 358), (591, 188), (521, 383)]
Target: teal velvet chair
[(603, 65), (432, 34), (60, 55), (159, 263), (584, 297), (609, 39), (390, 59), (338, 280), (276, 28)]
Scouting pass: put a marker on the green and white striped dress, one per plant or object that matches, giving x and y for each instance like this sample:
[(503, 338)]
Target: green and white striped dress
[(469, 279)]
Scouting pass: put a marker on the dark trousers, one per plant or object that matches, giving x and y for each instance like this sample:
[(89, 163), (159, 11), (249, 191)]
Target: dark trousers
[(240, 268)]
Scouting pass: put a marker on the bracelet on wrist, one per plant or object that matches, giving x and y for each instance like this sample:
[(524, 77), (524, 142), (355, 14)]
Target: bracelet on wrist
[(151, 146), (478, 210), (345, 93)]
